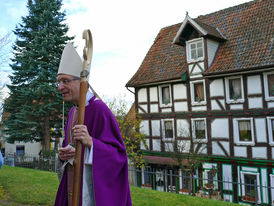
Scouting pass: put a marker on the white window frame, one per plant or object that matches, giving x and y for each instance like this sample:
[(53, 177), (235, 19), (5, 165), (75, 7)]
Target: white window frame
[(269, 127), (193, 102), (188, 43), (164, 131), (267, 97), (236, 132), (194, 133), (160, 95), (257, 182), (228, 99)]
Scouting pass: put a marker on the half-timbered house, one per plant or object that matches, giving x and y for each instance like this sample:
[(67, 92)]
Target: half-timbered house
[(210, 81)]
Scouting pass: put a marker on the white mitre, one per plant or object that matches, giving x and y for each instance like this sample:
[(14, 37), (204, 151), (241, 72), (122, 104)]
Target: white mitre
[(70, 63)]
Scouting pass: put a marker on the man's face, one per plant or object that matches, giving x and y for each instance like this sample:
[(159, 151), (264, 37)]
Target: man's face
[(70, 88)]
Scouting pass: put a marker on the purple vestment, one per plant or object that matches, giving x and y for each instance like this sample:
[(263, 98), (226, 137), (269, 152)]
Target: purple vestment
[(110, 167)]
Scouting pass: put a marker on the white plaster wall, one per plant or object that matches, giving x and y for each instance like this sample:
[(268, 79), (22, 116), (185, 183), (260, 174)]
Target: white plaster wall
[(255, 102), (270, 104), (179, 91), (216, 88), (155, 126), (184, 145), (183, 128), (31, 148), (236, 106), (142, 95), (216, 150), (226, 146), (202, 150), (156, 144), (199, 108), (180, 106), (240, 151), (153, 94), (254, 85), (166, 109), (144, 107), (143, 146), (259, 152), (169, 147), (260, 128), (154, 108), (215, 105), (216, 124), (212, 47), (144, 128)]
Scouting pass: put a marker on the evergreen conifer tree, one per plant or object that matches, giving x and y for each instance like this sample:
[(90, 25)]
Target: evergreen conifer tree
[(35, 105)]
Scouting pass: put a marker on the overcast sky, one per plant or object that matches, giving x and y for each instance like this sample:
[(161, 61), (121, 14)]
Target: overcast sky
[(123, 31)]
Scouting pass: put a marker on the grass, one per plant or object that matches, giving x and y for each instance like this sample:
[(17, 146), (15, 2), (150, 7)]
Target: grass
[(34, 187)]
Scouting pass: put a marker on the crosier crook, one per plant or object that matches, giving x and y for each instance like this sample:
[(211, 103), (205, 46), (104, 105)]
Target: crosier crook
[(87, 55)]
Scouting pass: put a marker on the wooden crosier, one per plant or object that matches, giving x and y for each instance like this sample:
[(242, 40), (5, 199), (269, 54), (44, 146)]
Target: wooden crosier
[(87, 55)]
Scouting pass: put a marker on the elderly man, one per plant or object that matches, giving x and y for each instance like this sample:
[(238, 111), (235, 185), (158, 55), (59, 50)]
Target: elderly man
[(104, 162)]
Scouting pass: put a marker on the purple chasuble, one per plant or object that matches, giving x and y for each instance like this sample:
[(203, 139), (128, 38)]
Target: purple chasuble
[(110, 167)]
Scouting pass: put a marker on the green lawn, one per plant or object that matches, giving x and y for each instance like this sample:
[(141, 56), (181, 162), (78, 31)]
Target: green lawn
[(34, 187)]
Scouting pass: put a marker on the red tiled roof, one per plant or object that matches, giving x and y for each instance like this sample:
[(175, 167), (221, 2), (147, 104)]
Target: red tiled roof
[(248, 29)]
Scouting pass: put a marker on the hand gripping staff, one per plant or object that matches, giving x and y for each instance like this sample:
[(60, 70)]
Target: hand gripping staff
[(87, 55)]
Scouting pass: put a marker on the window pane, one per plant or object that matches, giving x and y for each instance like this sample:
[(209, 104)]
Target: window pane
[(270, 79), (168, 129), (147, 176), (192, 46), (199, 45), (186, 181), (235, 91), (245, 130), (199, 129), (199, 92), (249, 181), (165, 95), (193, 54), (200, 52)]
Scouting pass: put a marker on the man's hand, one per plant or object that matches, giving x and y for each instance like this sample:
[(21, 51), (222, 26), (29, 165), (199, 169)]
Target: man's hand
[(66, 153), (80, 133)]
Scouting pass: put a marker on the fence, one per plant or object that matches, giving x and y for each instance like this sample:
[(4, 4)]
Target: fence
[(253, 192), (250, 193), (41, 162)]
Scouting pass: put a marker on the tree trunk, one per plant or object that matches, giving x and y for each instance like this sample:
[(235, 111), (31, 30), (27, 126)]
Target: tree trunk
[(46, 137)]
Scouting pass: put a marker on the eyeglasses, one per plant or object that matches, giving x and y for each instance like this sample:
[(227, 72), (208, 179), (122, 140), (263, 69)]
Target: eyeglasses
[(65, 81)]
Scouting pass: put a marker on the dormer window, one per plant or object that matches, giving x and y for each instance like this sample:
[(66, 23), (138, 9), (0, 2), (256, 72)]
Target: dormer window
[(195, 50)]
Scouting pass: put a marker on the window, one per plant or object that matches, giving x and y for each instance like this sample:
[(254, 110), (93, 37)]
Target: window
[(243, 131), (168, 132), (159, 180), (249, 184), (186, 181), (198, 92), (270, 126), (234, 90), (195, 50), (20, 149), (147, 177), (199, 129), (165, 95), (269, 85)]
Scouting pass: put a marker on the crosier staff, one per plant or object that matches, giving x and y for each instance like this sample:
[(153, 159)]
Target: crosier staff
[(87, 55)]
